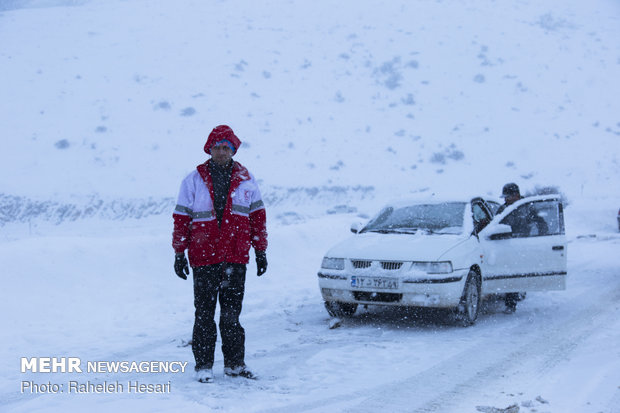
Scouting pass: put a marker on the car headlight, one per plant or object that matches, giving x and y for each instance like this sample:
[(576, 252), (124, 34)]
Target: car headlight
[(433, 267), (333, 263)]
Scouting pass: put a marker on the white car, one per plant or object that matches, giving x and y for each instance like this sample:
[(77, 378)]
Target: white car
[(447, 254)]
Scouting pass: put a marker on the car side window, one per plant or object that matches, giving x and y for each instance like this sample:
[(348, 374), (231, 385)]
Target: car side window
[(551, 212), (537, 218)]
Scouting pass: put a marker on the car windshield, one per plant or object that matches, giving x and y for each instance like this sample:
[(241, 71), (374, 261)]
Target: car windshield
[(493, 206), (442, 218)]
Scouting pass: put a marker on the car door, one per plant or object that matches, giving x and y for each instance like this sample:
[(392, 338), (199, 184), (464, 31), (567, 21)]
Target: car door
[(524, 247)]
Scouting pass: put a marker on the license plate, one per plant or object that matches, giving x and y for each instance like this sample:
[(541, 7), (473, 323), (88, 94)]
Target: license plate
[(374, 282)]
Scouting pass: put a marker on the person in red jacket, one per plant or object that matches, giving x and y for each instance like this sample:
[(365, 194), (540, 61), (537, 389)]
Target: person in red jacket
[(218, 216)]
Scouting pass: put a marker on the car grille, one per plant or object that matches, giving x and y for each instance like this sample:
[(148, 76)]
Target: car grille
[(391, 265), (386, 265), (377, 297), (361, 263)]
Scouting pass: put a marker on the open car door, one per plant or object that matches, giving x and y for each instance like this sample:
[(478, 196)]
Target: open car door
[(524, 247)]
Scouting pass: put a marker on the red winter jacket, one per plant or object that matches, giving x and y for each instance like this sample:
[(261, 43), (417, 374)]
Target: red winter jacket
[(243, 221)]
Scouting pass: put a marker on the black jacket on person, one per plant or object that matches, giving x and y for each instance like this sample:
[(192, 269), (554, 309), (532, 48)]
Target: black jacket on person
[(221, 184), (524, 220)]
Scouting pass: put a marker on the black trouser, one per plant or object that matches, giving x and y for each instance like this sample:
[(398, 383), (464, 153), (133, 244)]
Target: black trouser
[(511, 300), (228, 282)]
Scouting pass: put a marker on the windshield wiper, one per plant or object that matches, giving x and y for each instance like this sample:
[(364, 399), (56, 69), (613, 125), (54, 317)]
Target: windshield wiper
[(444, 231), (405, 230), (394, 231)]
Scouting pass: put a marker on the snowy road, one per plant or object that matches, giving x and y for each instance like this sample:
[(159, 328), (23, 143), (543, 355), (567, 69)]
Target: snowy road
[(554, 343), (560, 352)]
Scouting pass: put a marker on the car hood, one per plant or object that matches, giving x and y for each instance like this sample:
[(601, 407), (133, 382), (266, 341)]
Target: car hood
[(395, 247)]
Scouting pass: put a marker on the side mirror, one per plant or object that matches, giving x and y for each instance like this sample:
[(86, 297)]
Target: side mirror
[(499, 231), (356, 227)]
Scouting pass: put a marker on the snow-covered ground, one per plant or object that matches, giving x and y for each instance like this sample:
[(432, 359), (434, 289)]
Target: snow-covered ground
[(108, 293), (340, 105)]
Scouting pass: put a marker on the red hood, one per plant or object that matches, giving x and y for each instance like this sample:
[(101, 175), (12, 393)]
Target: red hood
[(222, 132)]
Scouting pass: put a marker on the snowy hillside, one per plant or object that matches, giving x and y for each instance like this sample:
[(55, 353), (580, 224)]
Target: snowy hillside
[(115, 98), (340, 105)]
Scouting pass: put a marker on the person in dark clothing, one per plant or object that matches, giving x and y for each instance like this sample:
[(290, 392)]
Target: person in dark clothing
[(523, 220), (511, 194), (219, 215)]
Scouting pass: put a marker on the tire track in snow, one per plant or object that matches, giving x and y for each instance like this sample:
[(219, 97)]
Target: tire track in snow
[(472, 370), (444, 385)]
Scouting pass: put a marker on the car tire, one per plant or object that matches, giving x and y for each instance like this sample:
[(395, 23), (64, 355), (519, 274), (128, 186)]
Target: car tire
[(338, 309), (469, 307)]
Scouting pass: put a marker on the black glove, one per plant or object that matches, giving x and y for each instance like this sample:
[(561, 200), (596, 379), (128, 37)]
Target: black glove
[(261, 262), (180, 265)]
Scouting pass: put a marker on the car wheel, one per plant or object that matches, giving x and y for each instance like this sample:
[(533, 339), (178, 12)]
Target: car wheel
[(338, 309), (469, 307)]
